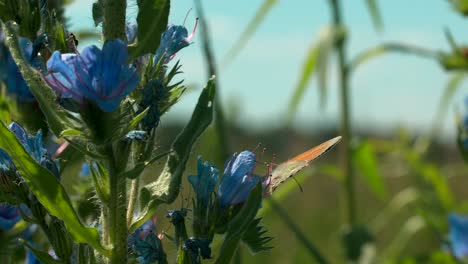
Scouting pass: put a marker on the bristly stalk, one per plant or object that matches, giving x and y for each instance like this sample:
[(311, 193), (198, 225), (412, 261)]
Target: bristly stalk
[(113, 26), (118, 232), (343, 77)]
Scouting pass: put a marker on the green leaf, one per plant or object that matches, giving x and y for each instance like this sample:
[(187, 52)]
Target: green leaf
[(365, 161), (140, 166), (145, 197), (431, 182), (454, 83), (252, 26), (5, 115), (42, 256), (152, 22), (166, 188), (375, 14), (385, 48), (85, 148), (239, 225), (70, 133), (134, 122), (98, 12), (100, 178), (326, 48), (451, 41), (48, 190), (55, 115), (254, 237), (307, 69)]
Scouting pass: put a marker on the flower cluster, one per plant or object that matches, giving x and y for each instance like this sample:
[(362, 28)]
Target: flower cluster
[(174, 39), (100, 76), (146, 244), (10, 73), (237, 181)]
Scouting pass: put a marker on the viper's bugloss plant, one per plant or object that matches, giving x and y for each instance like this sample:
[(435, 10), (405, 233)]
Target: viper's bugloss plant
[(103, 106)]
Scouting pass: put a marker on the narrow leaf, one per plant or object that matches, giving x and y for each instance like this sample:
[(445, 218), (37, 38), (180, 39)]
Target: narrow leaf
[(307, 70), (366, 162), (48, 190), (42, 256), (385, 48), (166, 188), (70, 133), (252, 26), (327, 41), (140, 166), (453, 85), (254, 237), (152, 21), (374, 12), (239, 224)]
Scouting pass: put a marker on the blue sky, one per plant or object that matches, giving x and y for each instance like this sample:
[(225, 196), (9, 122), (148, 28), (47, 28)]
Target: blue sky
[(391, 91)]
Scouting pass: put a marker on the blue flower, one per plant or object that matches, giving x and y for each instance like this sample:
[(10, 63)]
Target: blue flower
[(198, 247), (101, 76), (146, 244), (33, 145), (85, 170), (238, 179), (204, 182), (173, 39), (10, 73), (458, 234), (9, 216)]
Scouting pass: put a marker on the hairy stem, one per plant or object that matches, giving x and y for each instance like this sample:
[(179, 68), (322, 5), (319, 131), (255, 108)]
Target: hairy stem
[(343, 77), (132, 199), (117, 211), (113, 26)]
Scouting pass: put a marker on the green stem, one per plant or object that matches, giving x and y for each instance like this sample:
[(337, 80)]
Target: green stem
[(105, 226), (132, 199), (340, 46), (311, 248), (220, 121), (117, 211), (113, 26)]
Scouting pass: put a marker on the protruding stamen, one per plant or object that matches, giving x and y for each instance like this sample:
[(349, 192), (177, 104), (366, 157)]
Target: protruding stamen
[(193, 32), (60, 149)]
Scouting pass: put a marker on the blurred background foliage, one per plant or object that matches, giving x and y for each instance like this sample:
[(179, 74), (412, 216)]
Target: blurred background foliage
[(387, 194)]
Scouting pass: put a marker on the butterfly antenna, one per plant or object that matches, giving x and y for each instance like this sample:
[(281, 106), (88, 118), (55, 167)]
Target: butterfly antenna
[(298, 184), (256, 148)]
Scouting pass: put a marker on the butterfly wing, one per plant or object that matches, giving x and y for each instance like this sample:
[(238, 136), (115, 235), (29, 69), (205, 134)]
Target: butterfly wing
[(287, 169)]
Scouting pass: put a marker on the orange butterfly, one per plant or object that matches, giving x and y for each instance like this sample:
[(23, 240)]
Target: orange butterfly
[(286, 170)]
